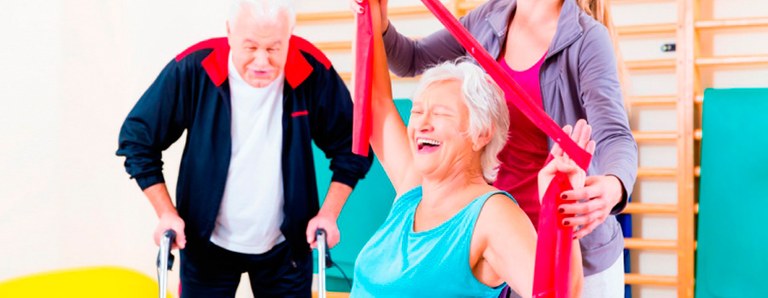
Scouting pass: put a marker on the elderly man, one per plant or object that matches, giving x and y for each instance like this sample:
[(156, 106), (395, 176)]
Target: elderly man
[(251, 104)]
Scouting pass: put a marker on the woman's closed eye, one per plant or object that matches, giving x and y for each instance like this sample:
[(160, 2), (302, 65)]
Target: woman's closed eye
[(442, 112)]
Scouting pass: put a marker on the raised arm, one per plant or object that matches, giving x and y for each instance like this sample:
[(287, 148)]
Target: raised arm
[(389, 138)]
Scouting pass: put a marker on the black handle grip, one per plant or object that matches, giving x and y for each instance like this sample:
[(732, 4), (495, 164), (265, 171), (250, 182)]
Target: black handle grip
[(328, 260), (171, 235)]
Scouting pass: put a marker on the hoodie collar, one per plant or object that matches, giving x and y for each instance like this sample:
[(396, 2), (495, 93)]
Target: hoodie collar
[(569, 29)]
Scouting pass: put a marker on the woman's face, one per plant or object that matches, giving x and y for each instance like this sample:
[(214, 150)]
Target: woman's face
[(437, 130)]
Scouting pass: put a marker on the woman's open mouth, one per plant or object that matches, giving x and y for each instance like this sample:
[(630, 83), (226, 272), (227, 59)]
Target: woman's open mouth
[(425, 145)]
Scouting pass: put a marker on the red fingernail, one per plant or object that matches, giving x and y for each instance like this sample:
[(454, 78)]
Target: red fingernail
[(566, 223), (563, 197), (561, 210)]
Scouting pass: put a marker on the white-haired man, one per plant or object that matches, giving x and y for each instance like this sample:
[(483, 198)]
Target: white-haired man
[(246, 199)]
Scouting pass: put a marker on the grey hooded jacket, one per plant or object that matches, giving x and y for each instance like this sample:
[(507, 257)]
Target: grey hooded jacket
[(579, 80)]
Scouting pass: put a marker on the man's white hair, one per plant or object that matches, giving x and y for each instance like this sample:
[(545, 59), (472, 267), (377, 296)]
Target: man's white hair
[(264, 8), (486, 104)]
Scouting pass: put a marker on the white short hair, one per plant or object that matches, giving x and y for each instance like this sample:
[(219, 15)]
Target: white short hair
[(485, 102), (269, 8)]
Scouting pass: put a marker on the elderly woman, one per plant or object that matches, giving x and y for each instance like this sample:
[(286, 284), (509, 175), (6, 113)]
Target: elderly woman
[(561, 53), (450, 232)]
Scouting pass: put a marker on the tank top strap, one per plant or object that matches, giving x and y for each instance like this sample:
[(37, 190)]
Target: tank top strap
[(471, 213), (477, 204)]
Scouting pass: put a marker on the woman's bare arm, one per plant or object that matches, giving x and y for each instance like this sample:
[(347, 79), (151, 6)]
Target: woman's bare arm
[(389, 137), (510, 243)]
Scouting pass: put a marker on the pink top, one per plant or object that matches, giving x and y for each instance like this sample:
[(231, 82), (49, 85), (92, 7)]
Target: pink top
[(526, 149)]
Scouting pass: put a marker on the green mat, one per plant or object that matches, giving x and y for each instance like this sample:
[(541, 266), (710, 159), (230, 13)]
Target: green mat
[(364, 212), (732, 257)]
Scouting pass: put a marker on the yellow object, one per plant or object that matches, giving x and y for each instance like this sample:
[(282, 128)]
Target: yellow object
[(93, 282)]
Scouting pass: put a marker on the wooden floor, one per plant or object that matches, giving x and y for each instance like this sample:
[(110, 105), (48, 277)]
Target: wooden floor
[(332, 295)]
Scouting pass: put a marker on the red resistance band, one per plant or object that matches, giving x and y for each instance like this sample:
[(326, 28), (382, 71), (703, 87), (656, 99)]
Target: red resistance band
[(553, 247), (361, 121)]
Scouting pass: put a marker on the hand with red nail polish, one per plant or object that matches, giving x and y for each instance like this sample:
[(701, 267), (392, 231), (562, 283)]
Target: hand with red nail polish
[(592, 204), (560, 162), (581, 134)]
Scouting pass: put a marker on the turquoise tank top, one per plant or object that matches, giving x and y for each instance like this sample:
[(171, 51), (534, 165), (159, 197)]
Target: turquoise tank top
[(398, 262)]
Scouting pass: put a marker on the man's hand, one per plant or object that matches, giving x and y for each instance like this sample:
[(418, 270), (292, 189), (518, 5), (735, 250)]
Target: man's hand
[(166, 213), (326, 218), (326, 222), (171, 221), (591, 204)]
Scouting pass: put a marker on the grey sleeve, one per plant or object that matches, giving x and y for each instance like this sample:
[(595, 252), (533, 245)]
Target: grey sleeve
[(616, 152), (407, 57)]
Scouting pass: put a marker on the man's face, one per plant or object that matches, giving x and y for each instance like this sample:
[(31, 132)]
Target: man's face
[(259, 46)]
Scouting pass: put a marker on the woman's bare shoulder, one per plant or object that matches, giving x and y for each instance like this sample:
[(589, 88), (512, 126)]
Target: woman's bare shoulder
[(501, 213)]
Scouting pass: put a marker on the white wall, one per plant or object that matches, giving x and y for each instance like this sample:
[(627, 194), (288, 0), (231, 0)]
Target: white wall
[(28, 129), (71, 72)]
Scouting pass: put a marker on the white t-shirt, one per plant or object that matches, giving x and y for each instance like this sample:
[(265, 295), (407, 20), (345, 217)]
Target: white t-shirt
[(252, 207)]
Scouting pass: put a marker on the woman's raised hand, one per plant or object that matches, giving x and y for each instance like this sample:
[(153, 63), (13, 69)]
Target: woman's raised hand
[(581, 134), (356, 7)]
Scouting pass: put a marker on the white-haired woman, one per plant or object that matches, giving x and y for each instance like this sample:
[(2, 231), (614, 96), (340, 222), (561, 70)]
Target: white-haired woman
[(561, 53), (450, 232)]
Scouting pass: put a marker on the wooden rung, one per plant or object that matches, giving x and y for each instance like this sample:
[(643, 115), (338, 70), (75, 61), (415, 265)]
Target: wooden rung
[(697, 134), (644, 208), (637, 1), (644, 279), (347, 76), (338, 46), (732, 60), (657, 172), (344, 15), (347, 15), (648, 244), (334, 46), (732, 23), (468, 5), (329, 294), (647, 29), (651, 64), (698, 99), (651, 136), (654, 100), (697, 171)]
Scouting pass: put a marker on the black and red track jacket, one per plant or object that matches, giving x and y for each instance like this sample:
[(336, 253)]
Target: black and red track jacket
[(192, 94)]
